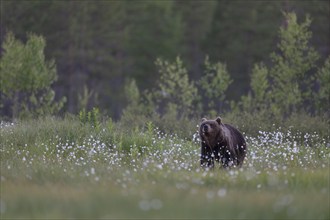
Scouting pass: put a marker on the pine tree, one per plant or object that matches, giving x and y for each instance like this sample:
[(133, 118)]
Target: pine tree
[(26, 77), (290, 76)]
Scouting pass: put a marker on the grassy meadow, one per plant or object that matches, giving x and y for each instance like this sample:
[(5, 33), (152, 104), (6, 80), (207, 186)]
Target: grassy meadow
[(62, 168)]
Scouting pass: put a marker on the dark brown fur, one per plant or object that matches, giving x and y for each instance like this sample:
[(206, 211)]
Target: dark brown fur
[(221, 143)]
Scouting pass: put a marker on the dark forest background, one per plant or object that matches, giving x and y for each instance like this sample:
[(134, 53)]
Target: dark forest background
[(100, 46)]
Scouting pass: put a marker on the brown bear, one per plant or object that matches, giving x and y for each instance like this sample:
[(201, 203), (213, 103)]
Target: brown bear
[(221, 143)]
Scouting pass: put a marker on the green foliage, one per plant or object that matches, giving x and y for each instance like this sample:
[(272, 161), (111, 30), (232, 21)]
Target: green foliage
[(23, 66), (169, 106), (292, 82), (213, 85), (137, 110), (26, 77), (150, 128), (85, 97), (91, 117), (260, 84), (94, 118), (175, 92), (258, 100), (323, 96), (288, 86), (132, 92)]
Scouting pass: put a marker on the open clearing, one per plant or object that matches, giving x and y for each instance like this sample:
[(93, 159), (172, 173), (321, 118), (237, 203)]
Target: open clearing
[(60, 169)]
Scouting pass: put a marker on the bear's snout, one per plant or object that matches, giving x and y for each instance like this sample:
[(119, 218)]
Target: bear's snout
[(205, 128)]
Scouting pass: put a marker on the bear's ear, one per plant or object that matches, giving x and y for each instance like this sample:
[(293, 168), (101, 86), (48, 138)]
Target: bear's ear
[(218, 120), (204, 119)]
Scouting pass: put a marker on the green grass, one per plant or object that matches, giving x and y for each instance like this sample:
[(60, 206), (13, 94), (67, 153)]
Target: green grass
[(60, 168)]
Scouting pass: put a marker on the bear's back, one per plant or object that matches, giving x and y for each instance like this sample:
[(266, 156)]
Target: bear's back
[(236, 135)]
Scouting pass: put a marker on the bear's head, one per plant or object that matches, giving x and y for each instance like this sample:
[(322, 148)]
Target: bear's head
[(210, 130)]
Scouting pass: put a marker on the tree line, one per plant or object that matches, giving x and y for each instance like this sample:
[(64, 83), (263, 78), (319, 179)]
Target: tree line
[(117, 55)]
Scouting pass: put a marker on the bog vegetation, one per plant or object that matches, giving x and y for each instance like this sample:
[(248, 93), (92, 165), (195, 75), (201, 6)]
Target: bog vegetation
[(57, 165), (59, 168)]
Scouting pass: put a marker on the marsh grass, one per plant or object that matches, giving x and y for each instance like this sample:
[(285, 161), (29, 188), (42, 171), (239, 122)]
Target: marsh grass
[(61, 168)]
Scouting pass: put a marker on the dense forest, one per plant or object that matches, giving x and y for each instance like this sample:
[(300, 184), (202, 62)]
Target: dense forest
[(102, 49)]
